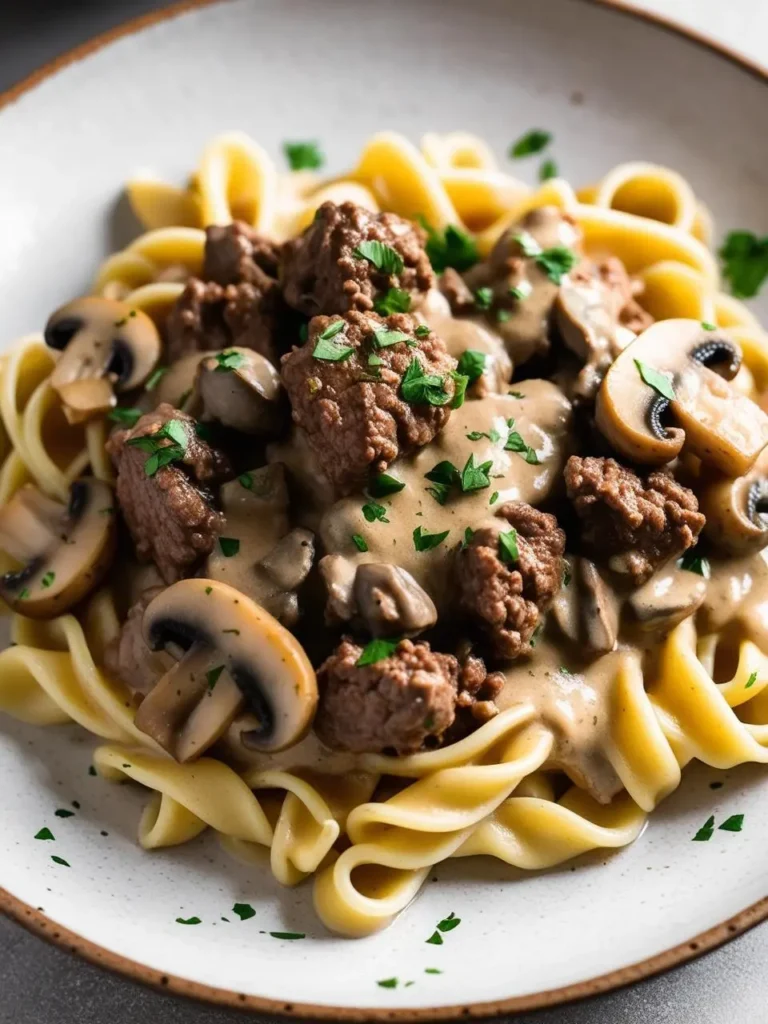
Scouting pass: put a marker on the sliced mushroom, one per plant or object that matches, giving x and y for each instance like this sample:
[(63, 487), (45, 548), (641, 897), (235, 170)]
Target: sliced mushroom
[(64, 551), (587, 609), (712, 420), (107, 347), (667, 598), (259, 554), (241, 389), (233, 655), (737, 510)]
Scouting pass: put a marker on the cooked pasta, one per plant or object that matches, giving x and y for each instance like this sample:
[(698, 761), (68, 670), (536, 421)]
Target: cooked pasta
[(518, 691)]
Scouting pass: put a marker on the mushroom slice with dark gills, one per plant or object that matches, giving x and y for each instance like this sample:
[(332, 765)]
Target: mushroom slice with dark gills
[(232, 656), (106, 347), (586, 608), (518, 284), (737, 509), (493, 450), (258, 552), (64, 551), (669, 596), (241, 389), (669, 390)]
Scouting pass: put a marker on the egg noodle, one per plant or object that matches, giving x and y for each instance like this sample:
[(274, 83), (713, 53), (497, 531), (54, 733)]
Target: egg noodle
[(489, 793)]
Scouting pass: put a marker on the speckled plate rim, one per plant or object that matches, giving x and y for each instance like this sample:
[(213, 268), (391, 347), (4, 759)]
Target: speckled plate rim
[(41, 925)]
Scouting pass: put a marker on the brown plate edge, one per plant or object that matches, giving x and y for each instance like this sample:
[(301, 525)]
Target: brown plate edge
[(47, 929)]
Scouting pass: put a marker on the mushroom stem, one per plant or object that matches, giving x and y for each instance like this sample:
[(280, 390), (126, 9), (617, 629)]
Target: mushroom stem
[(28, 524), (192, 705)]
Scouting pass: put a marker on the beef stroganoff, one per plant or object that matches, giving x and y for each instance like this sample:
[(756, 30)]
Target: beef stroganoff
[(408, 515)]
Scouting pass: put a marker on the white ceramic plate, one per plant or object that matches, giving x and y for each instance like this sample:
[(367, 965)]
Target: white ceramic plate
[(337, 71)]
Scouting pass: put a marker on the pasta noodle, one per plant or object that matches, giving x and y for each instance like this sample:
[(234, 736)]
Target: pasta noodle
[(490, 792)]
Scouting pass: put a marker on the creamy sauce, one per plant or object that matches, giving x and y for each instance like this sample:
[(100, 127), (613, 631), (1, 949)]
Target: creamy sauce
[(737, 596)]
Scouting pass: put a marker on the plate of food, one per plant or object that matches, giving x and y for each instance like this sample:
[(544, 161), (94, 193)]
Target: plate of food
[(383, 504)]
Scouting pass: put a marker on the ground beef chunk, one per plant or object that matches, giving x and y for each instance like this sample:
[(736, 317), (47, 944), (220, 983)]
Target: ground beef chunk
[(460, 296), (478, 689), (321, 274), (170, 514), (353, 414), (128, 658), (397, 703), (625, 289), (507, 598), (238, 301), (636, 524)]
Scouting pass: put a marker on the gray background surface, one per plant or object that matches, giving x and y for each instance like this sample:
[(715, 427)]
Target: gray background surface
[(39, 984)]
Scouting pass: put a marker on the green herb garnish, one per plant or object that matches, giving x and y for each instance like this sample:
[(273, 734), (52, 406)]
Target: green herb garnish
[(460, 382), (45, 833), (450, 248), (508, 549), (383, 484), (47, 580), (382, 257), (432, 970), (244, 911), (188, 920), (421, 388), (396, 300), (422, 331), (472, 364), (388, 983), (127, 416), (230, 546), (448, 923), (424, 541), (692, 561), (557, 262), (706, 831), (212, 676), (383, 337), (359, 542), (529, 144), (303, 156), (435, 939), (492, 435), (376, 650), (751, 681), (288, 936), (732, 824), (60, 860), (154, 379), (516, 443), (161, 454), (474, 478), (228, 361), (246, 480), (520, 291), (548, 170), (516, 394), (62, 812), (373, 511), (332, 351), (708, 326), (484, 298), (745, 263), (493, 498), (655, 379)]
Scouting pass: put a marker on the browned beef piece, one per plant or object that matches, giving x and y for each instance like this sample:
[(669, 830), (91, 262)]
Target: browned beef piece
[(237, 302), (460, 296), (170, 514), (614, 274), (395, 704), (353, 413), (478, 689), (322, 274), (634, 524), (128, 658), (507, 595)]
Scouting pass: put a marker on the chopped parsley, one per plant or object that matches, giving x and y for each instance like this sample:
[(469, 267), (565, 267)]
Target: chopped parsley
[(432, 970), (472, 364), (230, 546), (422, 331), (705, 832), (203, 431), (246, 480), (484, 298), (160, 453), (244, 911), (492, 435), (208, 590), (469, 533), (516, 394), (388, 983), (655, 379), (45, 833), (212, 676), (288, 936), (435, 939), (474, 478), (751, 681), (516, 443), (536, 634), (24, 594), (91, 770), (692, 561), (529, 144), (450, 248), (129, 417), (745, 263), (228, 361), (383, 484), (376, 650), (155, 378), (708, 326), (555, 262), (460, 382), (359, 542), (449, 923), (396, 300), (493, 498), (303, 156), (521, 291), (332, 351), (732, 824), (383, 257), (188, 920), (60, 860), (421, 388), (508, 549), (502, 315), (374, 360), (443, 476), (439, 492), (383, 337), (548, 170), (62, 812), (47, 580), (424, 541), (373, 511)]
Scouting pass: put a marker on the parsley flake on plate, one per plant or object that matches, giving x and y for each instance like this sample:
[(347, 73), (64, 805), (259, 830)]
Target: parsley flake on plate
[(745, 263), (383, 257), (331, 351), (432, 970), (244, 911), (60, 860), (303, 156), (45, 833), (424, 541), (188, 920), (529, 144), (548, 169), (62, 812), (751, 681), (388, 983), (732, 824), (288, 936), (395, 300), (706, 831), (655, 379)]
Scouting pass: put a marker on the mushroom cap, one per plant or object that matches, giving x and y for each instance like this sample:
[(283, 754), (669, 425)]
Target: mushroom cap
[(106, 346), (65, 550), (737, 509), (722, 427), (264, 660), (245, 396)]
